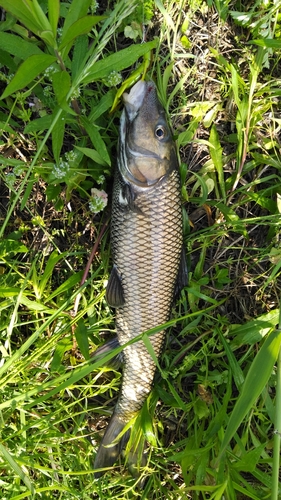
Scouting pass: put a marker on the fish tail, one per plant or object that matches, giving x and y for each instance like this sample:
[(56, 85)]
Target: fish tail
[(109, 450)]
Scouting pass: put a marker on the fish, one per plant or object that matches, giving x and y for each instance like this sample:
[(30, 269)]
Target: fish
[(146, 246)]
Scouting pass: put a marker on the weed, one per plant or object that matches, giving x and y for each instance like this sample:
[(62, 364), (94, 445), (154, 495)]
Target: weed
[(212, 421)]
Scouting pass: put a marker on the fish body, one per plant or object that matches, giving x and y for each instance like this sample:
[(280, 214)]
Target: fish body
[(146, 239)]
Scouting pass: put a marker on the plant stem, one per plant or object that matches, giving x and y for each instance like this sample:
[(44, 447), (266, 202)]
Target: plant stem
[(277, 427)]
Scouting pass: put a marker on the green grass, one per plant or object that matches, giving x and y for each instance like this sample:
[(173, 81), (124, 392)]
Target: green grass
[(212, 422)]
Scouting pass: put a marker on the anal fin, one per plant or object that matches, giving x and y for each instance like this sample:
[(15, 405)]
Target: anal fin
[(106, 348)]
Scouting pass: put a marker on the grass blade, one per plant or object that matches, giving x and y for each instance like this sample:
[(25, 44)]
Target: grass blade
[(116, 62), (277, 430), (255, 381), (17, 469), (216, 155)]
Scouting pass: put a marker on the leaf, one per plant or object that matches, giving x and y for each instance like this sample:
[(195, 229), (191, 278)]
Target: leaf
[(23, 11), (73, 183), (211, 115), (62, 346), (232, 218), (235, 85), (263, 200), (48, 37), (26, 193), (58, 136), (186, 137), (256, 379), (79, 52), (269, 43), (42, 20), (116, 62), (278, 202), (12, 161), (166, 397), (77, 9), (201, 409), (52, 261), (9, 291), (249, 460), (39, 124), (61, 85), (216, 155), (8, 61), (18, 471), (28, 71), (81, 335), (147, 425), (52, 192), (80, 27), (253, 331), (17, 46), (233, 363), (93, 154), (67, 285), (9, 247), (204, 189), (193, 290), (32, 305), (101, 107), (4, 127), (53, 13), (96, 140)]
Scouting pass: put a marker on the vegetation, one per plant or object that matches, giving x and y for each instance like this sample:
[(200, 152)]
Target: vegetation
[(213, 420)]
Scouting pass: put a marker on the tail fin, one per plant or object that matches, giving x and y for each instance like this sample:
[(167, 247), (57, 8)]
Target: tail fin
[(108, 453)]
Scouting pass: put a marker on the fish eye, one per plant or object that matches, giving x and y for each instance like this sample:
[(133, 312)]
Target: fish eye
[(160, 132)]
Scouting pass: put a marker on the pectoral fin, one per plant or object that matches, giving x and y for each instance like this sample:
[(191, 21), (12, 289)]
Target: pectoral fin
[(114, 290)]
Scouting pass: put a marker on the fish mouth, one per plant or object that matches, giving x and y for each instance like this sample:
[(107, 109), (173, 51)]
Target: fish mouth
[(133, 101)]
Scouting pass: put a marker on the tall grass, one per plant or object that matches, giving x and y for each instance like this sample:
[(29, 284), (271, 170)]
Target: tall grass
[(212, 421)]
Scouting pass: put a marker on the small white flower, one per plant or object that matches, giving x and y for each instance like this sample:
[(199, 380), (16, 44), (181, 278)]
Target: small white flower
[(113, 79), (76, 93), (94, 6), (18, 170), (71, 155), (10, 179), (50, 71), (47, 90), (98, 200), (100, 179), (61, 170)]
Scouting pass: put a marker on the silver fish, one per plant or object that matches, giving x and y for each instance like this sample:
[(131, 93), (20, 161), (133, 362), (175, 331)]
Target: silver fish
[(146, 238)]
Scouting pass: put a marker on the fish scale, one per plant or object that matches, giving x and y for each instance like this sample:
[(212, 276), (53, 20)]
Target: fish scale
[(146, 246), (146, 241)]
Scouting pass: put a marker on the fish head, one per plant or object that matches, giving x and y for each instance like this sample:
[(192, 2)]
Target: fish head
[(147, 150)]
